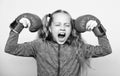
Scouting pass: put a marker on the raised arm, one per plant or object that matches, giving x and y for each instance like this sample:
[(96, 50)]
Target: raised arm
[(27, 48), (91, 23)]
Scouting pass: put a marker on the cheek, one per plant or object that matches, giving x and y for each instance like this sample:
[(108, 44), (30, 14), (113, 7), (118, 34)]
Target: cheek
[(54, 31), (68, 31)]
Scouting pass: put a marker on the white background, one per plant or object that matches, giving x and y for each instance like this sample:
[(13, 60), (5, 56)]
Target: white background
[(108, 11)]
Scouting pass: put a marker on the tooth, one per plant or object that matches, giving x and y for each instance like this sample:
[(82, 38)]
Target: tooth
[(62, 33)]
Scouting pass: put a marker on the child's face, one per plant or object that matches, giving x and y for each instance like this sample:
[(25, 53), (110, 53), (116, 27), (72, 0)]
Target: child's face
[(60, 27)]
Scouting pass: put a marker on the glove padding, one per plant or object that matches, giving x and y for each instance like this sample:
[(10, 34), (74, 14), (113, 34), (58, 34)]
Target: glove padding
[(35, 22), (80, 25)]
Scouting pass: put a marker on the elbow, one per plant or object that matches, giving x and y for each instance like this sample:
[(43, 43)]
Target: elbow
[(7, 51), (107, 51), (104, 51), (9, 48)]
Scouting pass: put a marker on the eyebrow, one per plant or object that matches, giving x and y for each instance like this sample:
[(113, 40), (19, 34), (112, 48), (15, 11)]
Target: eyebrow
[(66, 23), (59, 23), (56, 22)]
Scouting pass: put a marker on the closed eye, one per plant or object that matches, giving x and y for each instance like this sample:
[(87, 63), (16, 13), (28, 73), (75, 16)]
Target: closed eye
[(68, 25), (57, 25)]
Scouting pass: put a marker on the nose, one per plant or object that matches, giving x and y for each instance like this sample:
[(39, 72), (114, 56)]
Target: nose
[(62, 28)]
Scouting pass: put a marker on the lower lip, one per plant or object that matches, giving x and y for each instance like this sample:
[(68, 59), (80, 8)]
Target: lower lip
[(61, 39)]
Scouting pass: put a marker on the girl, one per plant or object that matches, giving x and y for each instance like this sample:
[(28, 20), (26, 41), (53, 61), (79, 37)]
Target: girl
[(59, 49)]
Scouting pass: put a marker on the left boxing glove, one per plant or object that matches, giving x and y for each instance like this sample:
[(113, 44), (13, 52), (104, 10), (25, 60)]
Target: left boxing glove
[(21, 20), (80, 25)]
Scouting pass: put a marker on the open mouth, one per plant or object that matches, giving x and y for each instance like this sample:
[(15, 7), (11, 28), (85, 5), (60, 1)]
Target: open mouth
[(61, 35)]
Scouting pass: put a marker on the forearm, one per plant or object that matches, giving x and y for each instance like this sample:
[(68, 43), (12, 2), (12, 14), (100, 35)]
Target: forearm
[(100, 50), (12, 41), (105, 45)]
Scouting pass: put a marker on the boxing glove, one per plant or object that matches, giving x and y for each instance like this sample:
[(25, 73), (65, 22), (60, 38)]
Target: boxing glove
[(80, 25), (35, 22)]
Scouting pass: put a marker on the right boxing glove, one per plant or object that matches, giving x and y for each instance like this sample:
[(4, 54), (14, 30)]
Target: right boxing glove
[(18, 24)]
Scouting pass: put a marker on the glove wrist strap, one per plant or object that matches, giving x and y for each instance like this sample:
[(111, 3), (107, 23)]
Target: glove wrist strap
[(18, 28), (99, 31)]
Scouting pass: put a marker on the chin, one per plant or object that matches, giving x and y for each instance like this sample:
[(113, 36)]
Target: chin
[(61, 43)]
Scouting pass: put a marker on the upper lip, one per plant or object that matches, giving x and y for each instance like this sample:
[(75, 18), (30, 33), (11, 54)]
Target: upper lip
[(62, 32)]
